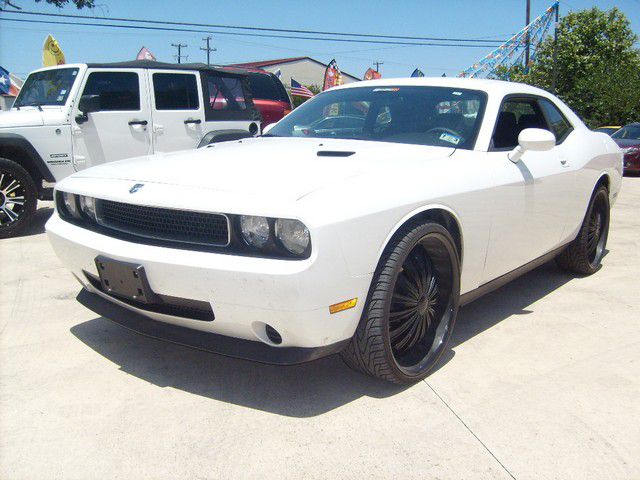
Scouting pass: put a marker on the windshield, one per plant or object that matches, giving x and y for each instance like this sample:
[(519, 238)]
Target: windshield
[(630, 132), (438, 116), (49, 87)]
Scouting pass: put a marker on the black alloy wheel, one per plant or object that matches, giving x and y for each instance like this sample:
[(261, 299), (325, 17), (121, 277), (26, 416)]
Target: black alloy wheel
[(584, 255), (411, 309)]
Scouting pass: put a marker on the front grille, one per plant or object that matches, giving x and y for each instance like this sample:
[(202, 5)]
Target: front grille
[(164, 224)]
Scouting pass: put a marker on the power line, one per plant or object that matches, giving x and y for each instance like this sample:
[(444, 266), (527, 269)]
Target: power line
[(263, 29), (286, 37)]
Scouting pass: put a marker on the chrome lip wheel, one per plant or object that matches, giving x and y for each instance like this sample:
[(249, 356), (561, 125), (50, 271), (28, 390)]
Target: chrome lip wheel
[(421, 306), (12, 199)]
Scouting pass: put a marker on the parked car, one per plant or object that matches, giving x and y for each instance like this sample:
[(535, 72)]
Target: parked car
[(72, 117), (269, 95), (608, 129), (283, 249), (628, 139)]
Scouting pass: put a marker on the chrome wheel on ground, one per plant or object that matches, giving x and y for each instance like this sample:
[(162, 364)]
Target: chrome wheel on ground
[(585, 253), (17, 198), (411, 309)]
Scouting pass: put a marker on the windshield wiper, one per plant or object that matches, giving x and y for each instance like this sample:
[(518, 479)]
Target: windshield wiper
[(269, 135), (34, 104)]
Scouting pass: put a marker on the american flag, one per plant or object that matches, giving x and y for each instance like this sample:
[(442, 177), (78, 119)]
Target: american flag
[(300, 90)]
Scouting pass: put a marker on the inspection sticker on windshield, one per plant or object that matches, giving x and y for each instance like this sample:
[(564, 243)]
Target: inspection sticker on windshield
[(447, 137)]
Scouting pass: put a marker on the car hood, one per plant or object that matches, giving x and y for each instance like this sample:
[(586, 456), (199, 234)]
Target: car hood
[(286, 168), (21, 118), (32, 117)]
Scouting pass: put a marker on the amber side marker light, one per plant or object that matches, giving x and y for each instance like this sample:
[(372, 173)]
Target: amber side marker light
[(346, 305)]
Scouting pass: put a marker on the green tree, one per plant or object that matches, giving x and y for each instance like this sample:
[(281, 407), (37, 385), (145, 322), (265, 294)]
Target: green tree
[(297, 101), (58, 3), (596, 67)]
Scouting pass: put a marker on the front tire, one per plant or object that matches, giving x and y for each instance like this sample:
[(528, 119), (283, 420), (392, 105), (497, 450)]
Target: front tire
[(18, 198), (584, 255), (411, 307)]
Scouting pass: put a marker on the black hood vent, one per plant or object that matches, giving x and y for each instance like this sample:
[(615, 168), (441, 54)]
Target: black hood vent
[(334, 153)]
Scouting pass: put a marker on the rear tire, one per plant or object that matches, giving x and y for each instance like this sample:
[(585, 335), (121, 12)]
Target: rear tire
[(584, 255), (411, 307), (18, 198)]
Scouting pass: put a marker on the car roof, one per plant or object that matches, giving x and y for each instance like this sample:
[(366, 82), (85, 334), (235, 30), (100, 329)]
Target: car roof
[(489, 86), (151, 64)]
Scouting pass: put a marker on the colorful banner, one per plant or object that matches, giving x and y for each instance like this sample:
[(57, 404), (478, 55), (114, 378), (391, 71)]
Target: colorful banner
[(145, 54), (52, 54), (417, 73), (332, 76), (372, 74)]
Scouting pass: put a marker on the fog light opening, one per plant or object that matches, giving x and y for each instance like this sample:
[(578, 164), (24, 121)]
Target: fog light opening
[(273, 335)]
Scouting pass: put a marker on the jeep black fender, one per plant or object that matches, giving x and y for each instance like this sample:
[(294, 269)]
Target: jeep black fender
[(18, 149), (223, 136)]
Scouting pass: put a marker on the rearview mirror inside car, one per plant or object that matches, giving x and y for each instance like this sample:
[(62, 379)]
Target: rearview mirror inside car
[(534, 139)]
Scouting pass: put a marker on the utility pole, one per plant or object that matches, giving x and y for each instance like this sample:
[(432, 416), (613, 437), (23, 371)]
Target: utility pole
[(179, 56), (377, 64), (528, 37), (554, 80), (208, 49)]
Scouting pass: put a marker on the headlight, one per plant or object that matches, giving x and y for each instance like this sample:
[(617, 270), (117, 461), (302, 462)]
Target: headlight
[(293, 235), (255, 230), (70, 204), (88, 206)]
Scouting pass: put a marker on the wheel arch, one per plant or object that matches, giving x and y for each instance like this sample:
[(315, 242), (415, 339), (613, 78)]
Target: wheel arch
[(437, 213), (603, 180), (18, 149)]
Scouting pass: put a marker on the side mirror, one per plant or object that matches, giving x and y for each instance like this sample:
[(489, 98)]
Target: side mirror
[(534, 139), (267, 128), (86, 105)]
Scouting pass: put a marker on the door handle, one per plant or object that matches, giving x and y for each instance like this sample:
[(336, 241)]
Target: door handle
[(138, 122), (197, 121)]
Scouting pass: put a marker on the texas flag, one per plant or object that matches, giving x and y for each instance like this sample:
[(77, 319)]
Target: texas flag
[(7, 87)]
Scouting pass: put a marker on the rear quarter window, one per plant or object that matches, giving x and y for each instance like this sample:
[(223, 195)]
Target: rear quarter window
[(265, 87)]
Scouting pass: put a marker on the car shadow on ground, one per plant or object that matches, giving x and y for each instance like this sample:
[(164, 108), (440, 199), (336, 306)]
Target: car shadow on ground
[(297, 391)]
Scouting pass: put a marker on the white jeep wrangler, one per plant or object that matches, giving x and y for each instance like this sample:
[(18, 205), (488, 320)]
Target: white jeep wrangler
[(72, 117)]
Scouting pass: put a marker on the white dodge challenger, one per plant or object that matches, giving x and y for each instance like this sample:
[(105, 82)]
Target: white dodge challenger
[(357, 224)]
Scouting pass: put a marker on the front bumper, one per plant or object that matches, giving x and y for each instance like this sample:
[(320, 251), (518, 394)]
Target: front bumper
[(245, 293), (232, 347)]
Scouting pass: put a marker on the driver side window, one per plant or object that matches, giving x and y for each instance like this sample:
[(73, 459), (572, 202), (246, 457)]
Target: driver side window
[(516, 115)]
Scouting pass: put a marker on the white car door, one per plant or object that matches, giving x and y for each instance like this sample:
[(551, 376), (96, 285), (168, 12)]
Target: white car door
[(120, 126), (528, 212), (177, 110)]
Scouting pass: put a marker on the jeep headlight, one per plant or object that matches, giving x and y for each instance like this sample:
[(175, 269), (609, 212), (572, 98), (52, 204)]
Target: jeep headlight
[(255, 230), (293, 235)]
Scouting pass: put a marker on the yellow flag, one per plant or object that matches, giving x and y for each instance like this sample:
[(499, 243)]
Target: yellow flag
[(52, 53)]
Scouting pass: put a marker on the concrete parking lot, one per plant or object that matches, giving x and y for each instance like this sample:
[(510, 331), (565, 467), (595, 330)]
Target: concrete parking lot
[(542, 380)]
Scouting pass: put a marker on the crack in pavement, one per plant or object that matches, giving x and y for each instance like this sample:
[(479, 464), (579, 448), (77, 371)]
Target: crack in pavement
[(469, 429)]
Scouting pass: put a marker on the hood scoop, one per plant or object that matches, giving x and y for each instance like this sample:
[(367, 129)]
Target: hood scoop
[(334, 153)]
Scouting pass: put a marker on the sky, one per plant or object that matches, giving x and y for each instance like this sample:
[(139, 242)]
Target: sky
[(21, 43)]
